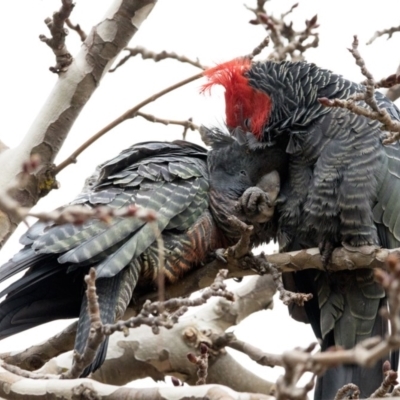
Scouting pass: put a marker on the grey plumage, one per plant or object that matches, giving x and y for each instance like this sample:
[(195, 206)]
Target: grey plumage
[(178, 181), (342, 186)]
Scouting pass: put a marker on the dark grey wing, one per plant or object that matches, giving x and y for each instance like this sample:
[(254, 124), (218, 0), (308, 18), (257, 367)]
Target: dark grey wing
[(169, 178), (387, 209), (164, 177)]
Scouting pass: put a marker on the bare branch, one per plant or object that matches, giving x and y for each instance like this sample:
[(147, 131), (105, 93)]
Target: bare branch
[(34, 357), (257, 355), (370, 83), (25, 374), (257, 50), (201, 362), (77, 28), (125, 116), (348, 391), (159, 313), (388, 32), (287, 385), (286, 296), (186, 124), (389, 381), (286, 41), (15, 387), (150, 55), (374, 112), (388, 124), (58, 33)]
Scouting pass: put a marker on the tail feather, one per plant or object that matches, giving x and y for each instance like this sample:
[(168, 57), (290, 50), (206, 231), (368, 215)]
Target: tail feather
[(114, 295), (367, 379), (56, 296)]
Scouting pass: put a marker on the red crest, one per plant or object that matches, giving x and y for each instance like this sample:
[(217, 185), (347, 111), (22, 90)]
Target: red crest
[(242, 102)]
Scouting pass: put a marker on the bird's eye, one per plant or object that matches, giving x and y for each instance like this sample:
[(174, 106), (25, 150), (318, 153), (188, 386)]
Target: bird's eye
[(242, 172), (247, 123)]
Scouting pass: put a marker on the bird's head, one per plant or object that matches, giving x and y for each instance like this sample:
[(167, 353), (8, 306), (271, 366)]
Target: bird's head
[(238, 161), (246, 107)]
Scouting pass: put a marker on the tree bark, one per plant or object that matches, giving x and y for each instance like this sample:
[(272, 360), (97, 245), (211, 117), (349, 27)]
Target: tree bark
[(64, 104)]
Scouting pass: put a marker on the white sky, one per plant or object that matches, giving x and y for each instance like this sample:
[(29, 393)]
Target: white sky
[(212, 30)]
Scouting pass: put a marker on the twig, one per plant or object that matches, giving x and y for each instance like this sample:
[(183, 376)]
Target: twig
[(389, 381), (147, 54), (77, 28), (158, 314), (374, 112), (388, 82), (286, 13), (382, 116), (186, 128), (287, 384), (370, 82), (126, 115), (243, 246), (254, 353), (202, 363), (25, 374), (58, 34), (242, 251), (388, 32), (348, 390), (257, 50), (186, 124), (286, 41), (96, 335), (286, 296), (34, 357)]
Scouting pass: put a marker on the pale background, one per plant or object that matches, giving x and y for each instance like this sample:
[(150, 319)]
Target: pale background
[(212, 30)]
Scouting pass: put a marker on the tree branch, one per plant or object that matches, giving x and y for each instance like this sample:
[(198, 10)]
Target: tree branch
[(186, 124), (14, 387), (62, 108), (131, 113), (388, 32), (374, 112), (286, 41), (77, 28), (58, 33), (150, 55)]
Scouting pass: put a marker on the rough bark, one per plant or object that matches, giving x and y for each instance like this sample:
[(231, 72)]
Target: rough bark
[(17, 388), (70, 94), (143, 354)]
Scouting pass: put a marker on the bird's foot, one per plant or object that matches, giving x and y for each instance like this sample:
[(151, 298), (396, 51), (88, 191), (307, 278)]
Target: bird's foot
[(255, 205)]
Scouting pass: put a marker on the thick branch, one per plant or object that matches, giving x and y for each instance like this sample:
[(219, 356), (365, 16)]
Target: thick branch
[(16, 388), (62, 108), (143, 354)]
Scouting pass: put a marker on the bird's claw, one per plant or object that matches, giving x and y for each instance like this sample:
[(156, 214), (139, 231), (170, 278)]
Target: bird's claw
[(256, 205), (220, 255)]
